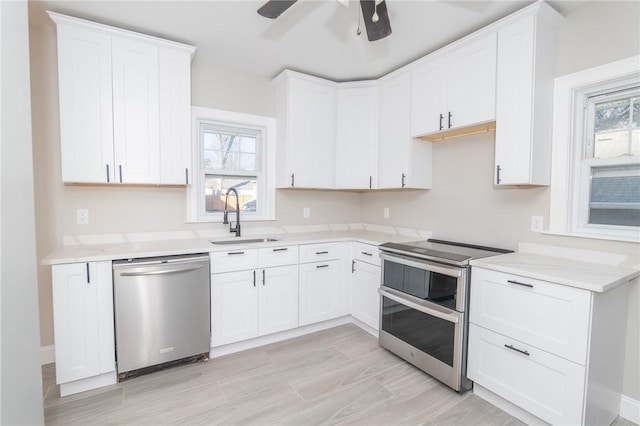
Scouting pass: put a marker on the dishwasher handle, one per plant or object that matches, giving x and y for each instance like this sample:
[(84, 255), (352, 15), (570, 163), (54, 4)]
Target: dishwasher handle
[(161, 271)]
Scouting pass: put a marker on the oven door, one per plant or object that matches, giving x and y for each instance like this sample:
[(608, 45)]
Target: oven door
[(427, 335)]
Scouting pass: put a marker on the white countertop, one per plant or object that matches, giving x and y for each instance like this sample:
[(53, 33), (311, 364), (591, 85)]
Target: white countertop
[(128, 250), (588, 275)]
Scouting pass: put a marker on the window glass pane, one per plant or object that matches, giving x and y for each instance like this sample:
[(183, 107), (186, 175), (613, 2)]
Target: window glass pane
[(615, 195), (228, 151), (616, 126), (612, 115), (611, 144), (216, 187)]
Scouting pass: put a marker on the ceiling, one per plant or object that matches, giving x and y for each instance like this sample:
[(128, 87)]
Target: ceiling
[(314, 36)]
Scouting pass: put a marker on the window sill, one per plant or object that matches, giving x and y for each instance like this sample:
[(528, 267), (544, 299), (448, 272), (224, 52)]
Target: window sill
[(594, 236)]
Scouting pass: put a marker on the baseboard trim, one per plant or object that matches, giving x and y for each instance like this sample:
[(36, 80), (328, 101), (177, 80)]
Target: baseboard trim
[(630, 409), (47, 354)]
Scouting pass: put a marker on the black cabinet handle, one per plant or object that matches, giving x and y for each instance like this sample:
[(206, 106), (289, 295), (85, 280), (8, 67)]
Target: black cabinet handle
[(293, 179), (88, 274), (450, 115), (186, 176), (263, 278), (441, 118), (367, 254), (519, 283), (403, 178), (120, 169), (497, 174), (370, 182), (280, 249), (517, 350), (353, 266), (254, 278), (108, 178), (322, 266), (231, 253), (322, 252)]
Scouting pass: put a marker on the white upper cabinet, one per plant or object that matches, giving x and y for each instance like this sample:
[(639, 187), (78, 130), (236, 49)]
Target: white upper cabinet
[(524, 98), (124, 105), (404, 162), (86, 111), (455, 88), (357, 135), (135, 111), (305, 109)]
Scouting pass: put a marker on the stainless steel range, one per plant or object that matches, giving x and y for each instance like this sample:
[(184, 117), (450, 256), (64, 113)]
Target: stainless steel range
[(423, 315)]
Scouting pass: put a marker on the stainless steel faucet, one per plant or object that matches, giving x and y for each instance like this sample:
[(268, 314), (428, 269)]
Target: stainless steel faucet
[(225, 217)]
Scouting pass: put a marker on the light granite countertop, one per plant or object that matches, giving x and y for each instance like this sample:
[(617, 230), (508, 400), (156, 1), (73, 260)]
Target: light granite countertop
[(588, 270)]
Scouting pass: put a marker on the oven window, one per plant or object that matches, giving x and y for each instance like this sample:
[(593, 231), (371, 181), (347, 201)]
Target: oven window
[(427, 285), (427, 333)]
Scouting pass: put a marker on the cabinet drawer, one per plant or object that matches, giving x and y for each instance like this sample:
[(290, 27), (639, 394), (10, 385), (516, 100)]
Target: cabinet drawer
[(277, 256), (545, 385), (233, 260), (320, 252), (366, 253), (551, 317)]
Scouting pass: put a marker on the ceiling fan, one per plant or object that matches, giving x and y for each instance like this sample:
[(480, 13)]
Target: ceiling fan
[(376, 17)]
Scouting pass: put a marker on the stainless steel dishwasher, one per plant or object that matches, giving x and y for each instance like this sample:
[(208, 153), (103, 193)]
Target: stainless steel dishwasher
[(162, 313)]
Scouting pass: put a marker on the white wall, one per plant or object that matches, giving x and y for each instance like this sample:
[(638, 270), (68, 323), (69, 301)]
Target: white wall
[(21, 388), (464, 204)]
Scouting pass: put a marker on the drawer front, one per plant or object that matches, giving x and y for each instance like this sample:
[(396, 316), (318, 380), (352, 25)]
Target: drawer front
[(277, 256), (233, 260), (551, 317), (320, 252), (545, 385), (366, 253)]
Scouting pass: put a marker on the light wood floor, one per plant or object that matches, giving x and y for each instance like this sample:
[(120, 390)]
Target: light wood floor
[(336, 376)]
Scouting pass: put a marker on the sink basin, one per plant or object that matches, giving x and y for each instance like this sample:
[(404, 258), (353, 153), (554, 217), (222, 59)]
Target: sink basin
[(240, 241)]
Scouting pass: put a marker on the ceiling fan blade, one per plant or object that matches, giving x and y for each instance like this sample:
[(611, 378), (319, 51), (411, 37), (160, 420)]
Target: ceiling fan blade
[(380, 29), (274, 8)]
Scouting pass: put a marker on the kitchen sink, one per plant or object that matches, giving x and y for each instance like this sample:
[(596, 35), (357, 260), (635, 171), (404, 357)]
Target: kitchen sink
[(247, 241)]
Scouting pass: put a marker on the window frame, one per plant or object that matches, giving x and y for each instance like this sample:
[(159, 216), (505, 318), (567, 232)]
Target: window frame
[(266, 128), (570, 172)]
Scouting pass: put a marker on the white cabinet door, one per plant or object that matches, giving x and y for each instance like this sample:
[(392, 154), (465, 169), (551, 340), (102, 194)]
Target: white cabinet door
[(175, 116), (552, 317), (546, 385), (403, 162), (365, 300), (471, 96), (135, 111), (83, 320), (307, 106), (429, 97), (234, 307), (357, 136), (278, 299), (524, 102), (321, 292), (86, 120)]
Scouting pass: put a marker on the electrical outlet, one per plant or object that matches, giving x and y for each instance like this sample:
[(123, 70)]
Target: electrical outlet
[(82, 216), (385, 213), (306, 212), (537, 223)]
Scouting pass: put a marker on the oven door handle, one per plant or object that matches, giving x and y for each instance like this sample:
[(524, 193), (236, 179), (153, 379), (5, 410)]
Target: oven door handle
[(454, 318), (451, 271)]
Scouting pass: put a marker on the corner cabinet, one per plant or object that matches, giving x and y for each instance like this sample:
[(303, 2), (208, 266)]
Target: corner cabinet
[(548, 349), (524, 98), (83, 326), (306, 128), (124, 105), (455, 89), (403, 162)]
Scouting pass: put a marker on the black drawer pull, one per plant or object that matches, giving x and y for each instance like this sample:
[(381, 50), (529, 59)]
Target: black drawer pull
[(231, 253), (519, 283), (322, 252), (367, 254), (281, 249), (322, 266), (517, 350)]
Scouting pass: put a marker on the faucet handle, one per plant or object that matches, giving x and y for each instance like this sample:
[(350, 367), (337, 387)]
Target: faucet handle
[(225, 218)]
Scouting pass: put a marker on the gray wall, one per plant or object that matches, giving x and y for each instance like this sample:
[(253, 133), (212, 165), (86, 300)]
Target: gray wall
[(21, 389), (464, 204)]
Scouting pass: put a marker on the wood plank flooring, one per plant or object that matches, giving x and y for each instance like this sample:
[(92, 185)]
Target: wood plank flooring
[(336, 376)]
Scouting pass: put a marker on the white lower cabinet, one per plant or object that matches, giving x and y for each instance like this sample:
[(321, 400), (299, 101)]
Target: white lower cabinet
[(83, 326), (321, 292), (552, 350), (257, 301), (365, 282)]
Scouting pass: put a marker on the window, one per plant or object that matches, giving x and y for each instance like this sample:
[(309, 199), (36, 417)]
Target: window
[(595, 188), (231, 151)]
